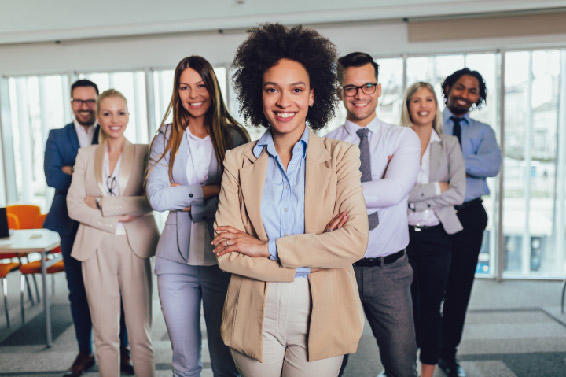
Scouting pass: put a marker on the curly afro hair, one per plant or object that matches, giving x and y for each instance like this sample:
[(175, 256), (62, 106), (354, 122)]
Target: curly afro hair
[(262, 50), (451, 80)]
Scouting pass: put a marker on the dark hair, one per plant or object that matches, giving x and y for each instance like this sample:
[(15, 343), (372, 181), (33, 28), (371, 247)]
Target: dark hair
[(217, 118), (451, 80), (83, 84), (266, 46), (355, 59)]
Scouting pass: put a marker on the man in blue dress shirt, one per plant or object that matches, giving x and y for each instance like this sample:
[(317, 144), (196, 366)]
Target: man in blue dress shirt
[(465, 90), (61, 149)]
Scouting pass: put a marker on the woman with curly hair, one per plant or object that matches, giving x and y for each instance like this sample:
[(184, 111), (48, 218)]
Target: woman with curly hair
[(291, 218), (184, 179)]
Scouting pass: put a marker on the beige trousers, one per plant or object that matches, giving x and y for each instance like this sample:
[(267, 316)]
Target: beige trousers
[(113, 272), (285, 329)]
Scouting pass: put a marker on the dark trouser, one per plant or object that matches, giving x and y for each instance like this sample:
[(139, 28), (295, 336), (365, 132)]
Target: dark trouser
[(429, 254), (385, 292), (77, 297), (466, 246)]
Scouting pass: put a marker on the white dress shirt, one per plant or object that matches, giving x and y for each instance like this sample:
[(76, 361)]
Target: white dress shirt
[(426, 217), (391, 182), (199, 154), (112, 185), (85, 135)]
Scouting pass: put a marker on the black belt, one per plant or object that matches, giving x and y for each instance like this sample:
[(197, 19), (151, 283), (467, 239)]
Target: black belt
[(378, 261), (418, 228), (471, 203)]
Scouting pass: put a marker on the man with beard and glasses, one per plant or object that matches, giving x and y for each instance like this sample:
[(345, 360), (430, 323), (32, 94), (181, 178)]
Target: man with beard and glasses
[(465, 90), (61, 149), (389, 164)]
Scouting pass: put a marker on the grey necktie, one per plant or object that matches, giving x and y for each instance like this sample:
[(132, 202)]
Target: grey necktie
[(365, 168)]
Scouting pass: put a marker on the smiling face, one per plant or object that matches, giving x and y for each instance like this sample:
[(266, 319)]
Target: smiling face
[(463, 94), (113, 117), (422, 107), (83, 102), (360, 107), (287, 96), (193, 93)]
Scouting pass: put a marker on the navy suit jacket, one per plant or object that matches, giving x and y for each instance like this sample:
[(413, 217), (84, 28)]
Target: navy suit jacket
[(61, 150)]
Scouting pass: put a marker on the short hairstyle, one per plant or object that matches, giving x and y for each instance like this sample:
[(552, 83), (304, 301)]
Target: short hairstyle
[(355, 59), (406, 120), (451, 80), (83, 83), (264, 48)]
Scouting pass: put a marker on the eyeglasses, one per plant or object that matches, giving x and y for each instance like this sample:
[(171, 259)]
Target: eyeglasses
[(352, 90), (76, 101), (112, 185)]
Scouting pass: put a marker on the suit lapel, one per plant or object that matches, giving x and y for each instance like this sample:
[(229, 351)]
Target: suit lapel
[(253, 178), (74, 139), (126, 165), (433, 164), (317, 177), (99, 167)]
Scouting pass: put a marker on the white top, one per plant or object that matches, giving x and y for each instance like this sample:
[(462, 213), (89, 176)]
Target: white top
[(426, 217), (199, 154), (112, 185), (391, 183), (85, 136)]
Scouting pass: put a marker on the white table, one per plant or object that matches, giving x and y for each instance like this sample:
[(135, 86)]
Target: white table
[(35, 241)]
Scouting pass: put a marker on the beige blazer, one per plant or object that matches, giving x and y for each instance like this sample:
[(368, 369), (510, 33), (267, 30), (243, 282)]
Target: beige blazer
[(332, 185), (88, 180)]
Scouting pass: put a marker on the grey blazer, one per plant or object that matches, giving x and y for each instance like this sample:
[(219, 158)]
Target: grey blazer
[(175, 238), (446, 165)]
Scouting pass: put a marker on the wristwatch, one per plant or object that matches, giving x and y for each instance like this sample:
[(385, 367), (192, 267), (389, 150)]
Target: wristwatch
[(98, 200)]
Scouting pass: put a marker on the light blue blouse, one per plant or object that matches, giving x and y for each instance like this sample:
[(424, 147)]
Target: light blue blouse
[(283, 198)]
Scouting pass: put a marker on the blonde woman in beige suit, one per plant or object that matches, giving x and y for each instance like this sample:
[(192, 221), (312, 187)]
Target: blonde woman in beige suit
[(117, 235)]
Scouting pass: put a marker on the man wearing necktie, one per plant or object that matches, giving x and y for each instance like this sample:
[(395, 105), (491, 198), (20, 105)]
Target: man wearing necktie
[(463, 90), (389, 165)]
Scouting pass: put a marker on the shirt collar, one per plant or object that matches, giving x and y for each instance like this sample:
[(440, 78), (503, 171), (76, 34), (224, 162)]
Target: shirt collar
[(81, 129), (446, 114), (434, 137), (373, 126), (266, 141)]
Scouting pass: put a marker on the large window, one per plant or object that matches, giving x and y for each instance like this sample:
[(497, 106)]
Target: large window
[(533, 199), (533, 218), (36, 105)]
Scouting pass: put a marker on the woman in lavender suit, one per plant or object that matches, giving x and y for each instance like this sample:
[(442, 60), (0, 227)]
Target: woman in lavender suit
[(184, 173)]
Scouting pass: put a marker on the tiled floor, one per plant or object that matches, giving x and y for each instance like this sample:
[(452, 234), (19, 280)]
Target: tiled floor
[(513, 329)]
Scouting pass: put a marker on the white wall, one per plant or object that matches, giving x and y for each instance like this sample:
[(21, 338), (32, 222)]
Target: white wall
[(27, 21), (129, 53)]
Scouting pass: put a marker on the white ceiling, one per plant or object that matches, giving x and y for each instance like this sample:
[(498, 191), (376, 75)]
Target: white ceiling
[(27, 21)]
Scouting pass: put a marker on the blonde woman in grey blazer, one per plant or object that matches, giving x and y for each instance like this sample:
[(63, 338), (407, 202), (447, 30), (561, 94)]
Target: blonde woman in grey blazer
[(441, 184), (183, 178)]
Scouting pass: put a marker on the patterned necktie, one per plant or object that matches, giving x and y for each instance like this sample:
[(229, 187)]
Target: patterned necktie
[(457, 128), (365, 168)]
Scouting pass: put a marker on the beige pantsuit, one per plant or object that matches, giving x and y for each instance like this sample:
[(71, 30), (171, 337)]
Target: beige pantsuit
[(114, 264), (113, 271)]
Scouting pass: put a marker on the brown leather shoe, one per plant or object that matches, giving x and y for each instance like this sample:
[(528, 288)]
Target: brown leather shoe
[(82, 363), (126, 366)]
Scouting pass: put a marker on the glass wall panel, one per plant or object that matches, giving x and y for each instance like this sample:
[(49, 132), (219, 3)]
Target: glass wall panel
[(434, 69), (132, 86), (531, 234), (37, 104)]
